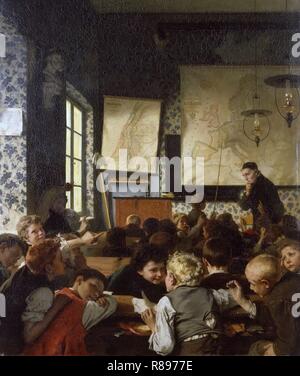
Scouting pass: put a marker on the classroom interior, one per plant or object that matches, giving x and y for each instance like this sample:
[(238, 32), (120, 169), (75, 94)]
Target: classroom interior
[(83, 79)]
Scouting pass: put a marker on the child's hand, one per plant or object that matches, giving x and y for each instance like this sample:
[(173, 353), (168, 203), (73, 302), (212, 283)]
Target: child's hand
[(102, 301), (263, 232), (248, 188), (149, 318), (235, 290), (269, 350), (261, 208)]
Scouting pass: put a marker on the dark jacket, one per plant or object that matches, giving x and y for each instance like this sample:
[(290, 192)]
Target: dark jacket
[(4, 274), (266, 192), (16, 290), (56, 223), (127, 281), (218, 281), (277, 308)]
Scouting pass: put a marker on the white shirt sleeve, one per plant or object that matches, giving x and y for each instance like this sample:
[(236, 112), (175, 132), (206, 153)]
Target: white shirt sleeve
[(163, 340), (223, 299), (37, 304), (94, 313), (252, 311)]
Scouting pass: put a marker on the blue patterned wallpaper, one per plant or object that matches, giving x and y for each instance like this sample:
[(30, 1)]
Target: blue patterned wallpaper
[(13, 93)]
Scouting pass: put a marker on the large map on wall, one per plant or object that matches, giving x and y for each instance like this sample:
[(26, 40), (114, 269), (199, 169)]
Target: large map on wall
[(213, 98), (131, 124)]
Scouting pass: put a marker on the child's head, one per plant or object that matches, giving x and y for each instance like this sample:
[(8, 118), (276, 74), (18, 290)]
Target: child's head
[(151, 226), (11, 249), (181, 222), (262, 272), (45, 258), (183, 269), (89, 284), (150, 263), (216, 253), (30, 229), (290, 256), (58, 203), (166, 225), (133, 219), (116, 237), (165, 241), (212, 228)]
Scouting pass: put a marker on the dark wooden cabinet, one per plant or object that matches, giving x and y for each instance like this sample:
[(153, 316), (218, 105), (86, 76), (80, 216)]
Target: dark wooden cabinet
[(144, 207)]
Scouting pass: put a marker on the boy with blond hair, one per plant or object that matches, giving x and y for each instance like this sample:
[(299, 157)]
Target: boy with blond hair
[(186, 321), (276, 290)]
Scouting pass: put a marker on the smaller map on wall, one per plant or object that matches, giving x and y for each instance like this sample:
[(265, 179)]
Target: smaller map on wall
[(11, 122), (131, 124)]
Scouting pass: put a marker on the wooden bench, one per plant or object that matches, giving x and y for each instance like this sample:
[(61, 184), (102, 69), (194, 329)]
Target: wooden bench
[(107, 265)]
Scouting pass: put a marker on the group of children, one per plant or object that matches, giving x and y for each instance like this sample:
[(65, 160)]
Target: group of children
[(192, 268)]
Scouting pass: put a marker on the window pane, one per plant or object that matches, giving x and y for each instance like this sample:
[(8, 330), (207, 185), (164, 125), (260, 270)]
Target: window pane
[(77, 199), (77, 172), (77, 152), (68, 205), (77, 120), (68, 114), (68, 142), (68, 170)]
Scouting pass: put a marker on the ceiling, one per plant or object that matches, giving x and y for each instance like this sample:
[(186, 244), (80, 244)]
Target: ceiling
[(194, 6)]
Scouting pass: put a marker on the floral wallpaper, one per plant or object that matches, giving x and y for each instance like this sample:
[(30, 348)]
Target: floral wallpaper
[(89, 148), (13, 94), (289, 197)]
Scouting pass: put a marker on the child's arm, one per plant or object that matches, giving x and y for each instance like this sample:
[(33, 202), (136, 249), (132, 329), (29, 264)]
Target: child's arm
[(40, 311), (94, 312), (162, 340), (236, 292)]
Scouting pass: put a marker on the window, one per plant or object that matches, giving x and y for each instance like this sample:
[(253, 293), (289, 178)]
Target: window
[(74, 153)]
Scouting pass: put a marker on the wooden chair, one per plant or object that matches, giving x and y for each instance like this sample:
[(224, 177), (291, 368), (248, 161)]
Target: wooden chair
[(107, 265)]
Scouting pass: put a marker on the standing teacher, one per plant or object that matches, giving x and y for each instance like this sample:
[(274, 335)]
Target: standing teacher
[(260, 194)]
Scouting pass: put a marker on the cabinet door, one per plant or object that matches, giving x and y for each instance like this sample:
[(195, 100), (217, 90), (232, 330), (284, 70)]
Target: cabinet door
[(144, 208)]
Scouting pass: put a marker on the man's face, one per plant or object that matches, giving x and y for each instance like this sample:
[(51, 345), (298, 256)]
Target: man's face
[(35, 233), (90, 289), (260, 286), (249, 175)]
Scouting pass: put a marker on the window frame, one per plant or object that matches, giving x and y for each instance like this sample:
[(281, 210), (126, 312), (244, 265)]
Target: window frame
[(74, 103)]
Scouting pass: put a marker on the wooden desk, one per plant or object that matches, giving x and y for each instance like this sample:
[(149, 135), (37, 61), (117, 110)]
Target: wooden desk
[(144, 207), (120, 334)]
